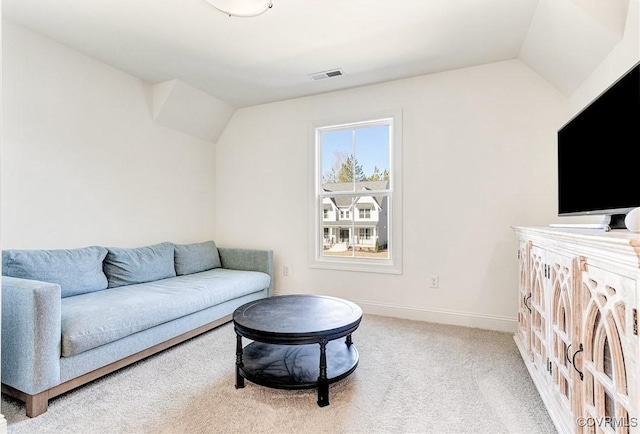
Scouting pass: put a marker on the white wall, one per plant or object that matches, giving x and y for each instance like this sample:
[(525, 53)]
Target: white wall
[(479, 156), (83, 162)]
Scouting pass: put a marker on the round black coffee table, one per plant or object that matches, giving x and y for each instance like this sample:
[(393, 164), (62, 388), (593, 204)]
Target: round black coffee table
[(295, 342)]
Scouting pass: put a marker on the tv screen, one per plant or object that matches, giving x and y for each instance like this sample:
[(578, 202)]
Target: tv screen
[(598, 171)]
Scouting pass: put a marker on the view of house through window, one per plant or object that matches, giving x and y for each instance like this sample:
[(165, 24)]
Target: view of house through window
[(354, 190)]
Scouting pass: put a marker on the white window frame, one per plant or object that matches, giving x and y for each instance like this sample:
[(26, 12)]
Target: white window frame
[(393, 264), (368, 233), (364, 213)]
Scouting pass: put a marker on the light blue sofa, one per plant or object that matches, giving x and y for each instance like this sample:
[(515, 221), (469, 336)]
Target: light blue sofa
[(71, 316)]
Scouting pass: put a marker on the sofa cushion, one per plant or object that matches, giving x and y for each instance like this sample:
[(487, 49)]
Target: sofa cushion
[(197, 257), (77, 271), (91, 320), (128, 266)]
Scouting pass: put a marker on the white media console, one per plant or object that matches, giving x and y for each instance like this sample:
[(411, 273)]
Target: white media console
[(579, 295)]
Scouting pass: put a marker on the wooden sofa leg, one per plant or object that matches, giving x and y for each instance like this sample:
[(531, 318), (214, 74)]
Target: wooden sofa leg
[(36, 404)]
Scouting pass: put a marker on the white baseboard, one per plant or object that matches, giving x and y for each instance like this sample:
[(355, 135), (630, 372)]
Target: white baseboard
[(441, 316), (467, 319)]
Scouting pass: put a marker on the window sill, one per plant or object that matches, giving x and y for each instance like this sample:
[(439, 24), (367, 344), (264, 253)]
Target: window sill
[(360, 265)]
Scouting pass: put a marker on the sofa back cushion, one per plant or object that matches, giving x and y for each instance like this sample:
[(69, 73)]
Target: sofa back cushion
[(77, 271), (128, 266), (196, 257)]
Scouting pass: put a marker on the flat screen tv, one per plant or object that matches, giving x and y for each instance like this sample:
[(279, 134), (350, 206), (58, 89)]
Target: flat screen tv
[(598, 167)]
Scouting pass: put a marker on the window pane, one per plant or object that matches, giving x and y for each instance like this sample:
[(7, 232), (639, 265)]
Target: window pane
[(372, 152), (337, 224), (337, 148), (372, 236), (353, 155), (347, 234)]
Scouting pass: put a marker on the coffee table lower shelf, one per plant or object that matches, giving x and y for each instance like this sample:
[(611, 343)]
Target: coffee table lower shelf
[(296, 366)]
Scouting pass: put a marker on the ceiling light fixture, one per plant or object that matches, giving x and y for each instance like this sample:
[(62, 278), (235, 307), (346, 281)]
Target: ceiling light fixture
[(242, 8)]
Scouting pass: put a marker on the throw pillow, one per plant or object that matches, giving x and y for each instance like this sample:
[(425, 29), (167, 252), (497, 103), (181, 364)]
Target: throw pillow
[(196, 257), (128, 266), (77, 271)]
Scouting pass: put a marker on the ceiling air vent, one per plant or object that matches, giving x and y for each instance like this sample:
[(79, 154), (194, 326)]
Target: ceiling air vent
[(327, 74)]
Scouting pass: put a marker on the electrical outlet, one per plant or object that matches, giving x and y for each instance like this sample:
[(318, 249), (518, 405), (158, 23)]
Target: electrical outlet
[(434, 281), (286, 270)]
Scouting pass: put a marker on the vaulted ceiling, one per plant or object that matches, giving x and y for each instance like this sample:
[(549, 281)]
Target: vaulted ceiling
[(271, 57)]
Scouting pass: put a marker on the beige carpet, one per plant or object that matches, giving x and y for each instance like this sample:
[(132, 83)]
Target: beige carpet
[(413, 377)]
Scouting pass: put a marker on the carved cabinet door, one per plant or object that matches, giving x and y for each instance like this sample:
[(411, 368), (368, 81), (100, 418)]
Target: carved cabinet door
[(561, 289), (524, 293), (539, 311), (606, 343)]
